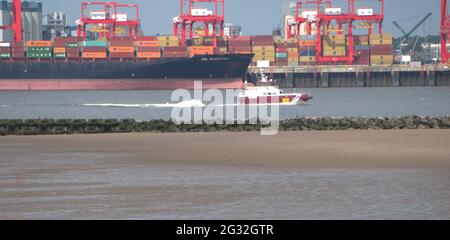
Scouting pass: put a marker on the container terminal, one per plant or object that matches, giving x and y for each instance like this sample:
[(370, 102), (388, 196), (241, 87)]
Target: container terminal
[(318, 49)]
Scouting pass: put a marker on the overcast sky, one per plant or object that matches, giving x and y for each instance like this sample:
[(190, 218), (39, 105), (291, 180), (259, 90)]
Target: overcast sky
[(256, 16)]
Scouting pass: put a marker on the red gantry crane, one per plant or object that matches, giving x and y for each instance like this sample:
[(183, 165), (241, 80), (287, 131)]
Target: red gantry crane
[(191, 13), (306, 13), (326, 15), (445, 31), (107, 17), (16, 25)]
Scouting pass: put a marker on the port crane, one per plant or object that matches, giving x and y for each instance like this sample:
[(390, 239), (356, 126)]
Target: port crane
[(16, 25), (445, 31), (406, 34), (322, 19), (190, 14), (106, 19)]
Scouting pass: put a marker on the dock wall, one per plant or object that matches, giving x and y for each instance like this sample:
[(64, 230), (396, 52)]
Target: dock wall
[(355, 76)]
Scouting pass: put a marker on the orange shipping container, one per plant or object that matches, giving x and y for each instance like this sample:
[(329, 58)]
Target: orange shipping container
[(307, 42), (39, 44), (293, 55), (94, 55), (121, 49), (59, 50), (152, 55), (147, 44), (202, 49)]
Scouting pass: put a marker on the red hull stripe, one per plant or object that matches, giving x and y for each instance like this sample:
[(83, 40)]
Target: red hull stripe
[(106, 84)]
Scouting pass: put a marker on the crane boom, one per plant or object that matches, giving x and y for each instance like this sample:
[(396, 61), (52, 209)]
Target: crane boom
[(400, 28), (408, 34)]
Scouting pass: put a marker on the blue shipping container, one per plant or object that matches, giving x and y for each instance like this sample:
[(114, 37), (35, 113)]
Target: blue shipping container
[(281, 55), (94, 44), (362, 47)]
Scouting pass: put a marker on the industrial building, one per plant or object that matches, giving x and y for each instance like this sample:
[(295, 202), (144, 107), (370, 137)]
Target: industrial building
[(232, 30), (31, 20), (55, 25)]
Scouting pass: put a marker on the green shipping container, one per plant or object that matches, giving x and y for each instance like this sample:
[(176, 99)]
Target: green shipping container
[(39, 49), (72, 45), (5, 55), (60, 55), (39, 55), (94, 44)]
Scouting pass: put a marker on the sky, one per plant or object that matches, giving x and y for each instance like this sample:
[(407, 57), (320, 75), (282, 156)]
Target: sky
[(258, 17)]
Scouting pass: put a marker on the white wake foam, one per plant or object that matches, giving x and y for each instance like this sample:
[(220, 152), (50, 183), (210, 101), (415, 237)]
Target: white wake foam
[(184, 104)]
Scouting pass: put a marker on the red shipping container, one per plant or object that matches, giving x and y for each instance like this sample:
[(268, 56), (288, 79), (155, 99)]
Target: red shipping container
[(121, 55), (73, 55), (262, 43), (240, 38), (5, 50), (148, 49), (146, 38), (121, 44), (175, 55), (262, 38), (121, 39), (18, 55), (381, 52), (281, 49), (241, 48), (175, 49), (17, 44), (94, 49)]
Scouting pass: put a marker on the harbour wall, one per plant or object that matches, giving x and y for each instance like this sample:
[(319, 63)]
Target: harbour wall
[(355, 76)]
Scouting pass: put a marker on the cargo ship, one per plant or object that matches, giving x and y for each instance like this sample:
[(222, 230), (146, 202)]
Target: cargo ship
[(215, 71)]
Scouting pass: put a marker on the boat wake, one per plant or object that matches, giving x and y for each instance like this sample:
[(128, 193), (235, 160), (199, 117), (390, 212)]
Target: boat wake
[(184, 104)]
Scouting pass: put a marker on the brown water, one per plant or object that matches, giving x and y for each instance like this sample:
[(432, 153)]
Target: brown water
[(87, 185)]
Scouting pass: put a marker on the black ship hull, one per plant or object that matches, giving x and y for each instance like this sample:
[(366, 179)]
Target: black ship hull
[(215, 71)]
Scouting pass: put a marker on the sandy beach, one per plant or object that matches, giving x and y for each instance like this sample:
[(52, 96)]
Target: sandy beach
[(397, 174), (330, 149)]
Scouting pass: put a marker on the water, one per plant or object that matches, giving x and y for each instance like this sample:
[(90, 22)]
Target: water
[(67, 186), (146, 105)]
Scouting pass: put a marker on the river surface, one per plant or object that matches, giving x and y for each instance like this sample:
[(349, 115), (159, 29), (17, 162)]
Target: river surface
[(88, 186), (147, 105)]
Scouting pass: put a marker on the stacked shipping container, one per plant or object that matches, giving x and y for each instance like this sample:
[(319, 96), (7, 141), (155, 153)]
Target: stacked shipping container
[(18, 51), (66, 48), (175, 52), (168, 41), (147, 48), (307, 49), (381, 49), (5, 50), (94, 50), (39, 49), (334, 46), (362, 50), (263, 49), (239, 45), (121, 48), (376, 51)]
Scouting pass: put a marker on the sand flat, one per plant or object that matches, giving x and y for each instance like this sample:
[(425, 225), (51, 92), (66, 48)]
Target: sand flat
[(327, 149)]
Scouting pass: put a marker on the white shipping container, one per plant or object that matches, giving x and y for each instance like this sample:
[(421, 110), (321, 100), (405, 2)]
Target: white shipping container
[(263, 64), (121, 17), (333, 11), (5, 44), (406, 58), (307, 14), (98, 15), (203, 12), (364, 12)]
